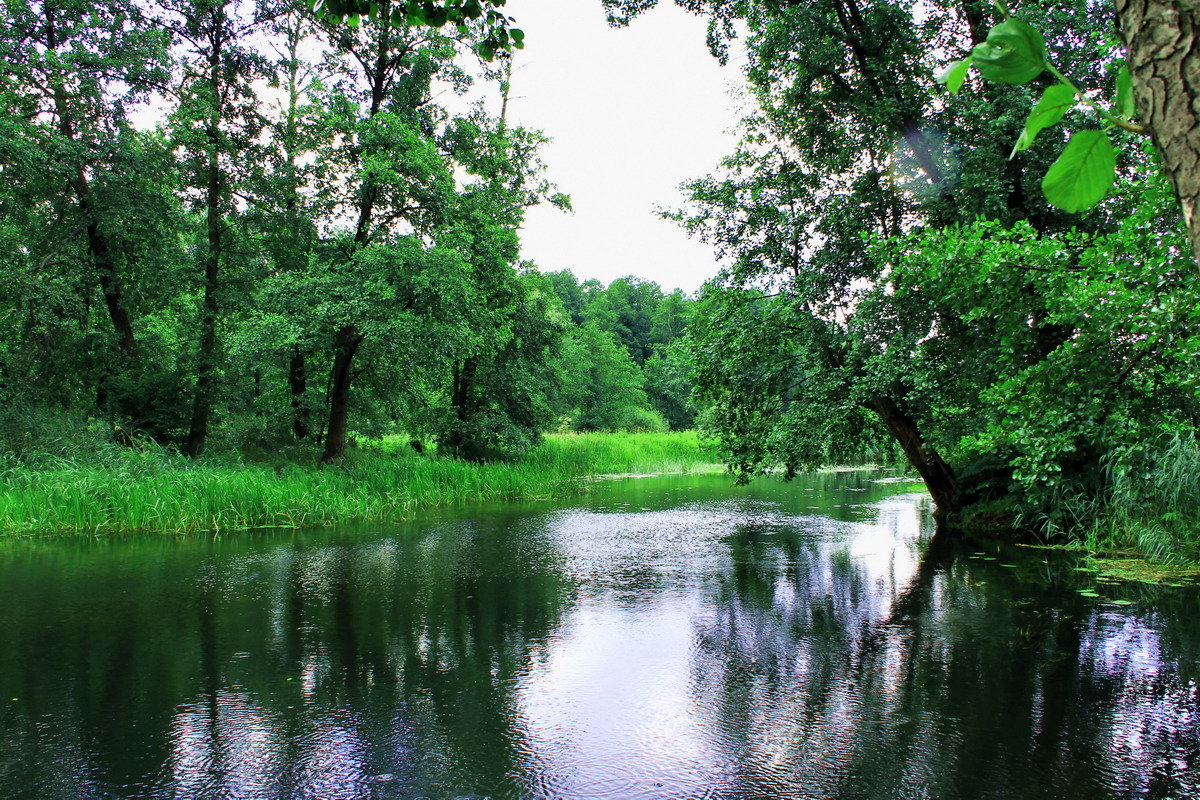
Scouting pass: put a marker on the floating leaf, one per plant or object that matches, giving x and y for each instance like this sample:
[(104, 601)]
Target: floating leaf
[(1125, 105), (1121, 602), (1088, 593), (1082, 175), (1055, 102), (954, 75), (1014, 52)]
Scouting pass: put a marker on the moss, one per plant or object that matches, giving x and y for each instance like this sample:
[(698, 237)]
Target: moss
[(1144, 570)]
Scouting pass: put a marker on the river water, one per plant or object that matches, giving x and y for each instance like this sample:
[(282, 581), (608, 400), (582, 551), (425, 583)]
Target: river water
[(667, 637)]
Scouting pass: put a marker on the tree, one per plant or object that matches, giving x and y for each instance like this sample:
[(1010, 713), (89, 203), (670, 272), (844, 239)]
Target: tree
[(215, 125), (500, 392), (72, 74), (669, 385), (1161, 37), (495, 33), (850, 147), (394, 169), (604, 389)]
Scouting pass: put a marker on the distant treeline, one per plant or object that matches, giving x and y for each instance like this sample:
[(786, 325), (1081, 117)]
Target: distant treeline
[(297, 241)]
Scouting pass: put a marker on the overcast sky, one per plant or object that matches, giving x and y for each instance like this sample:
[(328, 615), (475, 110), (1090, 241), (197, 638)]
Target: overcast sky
[(633, 113)]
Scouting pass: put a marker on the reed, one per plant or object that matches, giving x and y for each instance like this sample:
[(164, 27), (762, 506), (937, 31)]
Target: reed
[(159, 491), (1152, 504)]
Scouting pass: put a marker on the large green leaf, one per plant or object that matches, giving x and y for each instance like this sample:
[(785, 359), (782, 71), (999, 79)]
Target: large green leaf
[(1082, 175), (954, 75), (1055, 102), (1014, 52), (1125, 105)]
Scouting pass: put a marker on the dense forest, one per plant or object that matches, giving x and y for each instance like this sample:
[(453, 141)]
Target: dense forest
[(255, 225), (238, 222)]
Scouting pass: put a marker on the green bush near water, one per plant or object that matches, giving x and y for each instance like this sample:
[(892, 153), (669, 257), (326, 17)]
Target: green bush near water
[(1152, 503), (121, 489)]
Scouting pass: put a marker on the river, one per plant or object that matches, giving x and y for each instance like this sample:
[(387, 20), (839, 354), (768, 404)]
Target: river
[(662, 637)]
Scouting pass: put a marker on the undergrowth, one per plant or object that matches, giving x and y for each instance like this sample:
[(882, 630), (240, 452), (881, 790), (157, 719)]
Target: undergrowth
[(1152, 504)]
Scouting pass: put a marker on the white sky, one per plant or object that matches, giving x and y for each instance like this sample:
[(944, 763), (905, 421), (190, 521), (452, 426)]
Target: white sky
[(633, 113)]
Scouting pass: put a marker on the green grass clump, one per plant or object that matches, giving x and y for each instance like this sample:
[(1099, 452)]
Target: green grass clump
[(155, 490), (1152, 504)]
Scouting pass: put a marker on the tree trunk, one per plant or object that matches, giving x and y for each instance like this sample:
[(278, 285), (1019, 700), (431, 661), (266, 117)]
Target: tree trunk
[(938, 476), (202, 405), (346, 344), (106, 273), (298, 383), (460, 400), (97, 244), (1164, 59)]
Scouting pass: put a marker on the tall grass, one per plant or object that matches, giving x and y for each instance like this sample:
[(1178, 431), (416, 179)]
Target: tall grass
[(1152, 504), (159, 491)]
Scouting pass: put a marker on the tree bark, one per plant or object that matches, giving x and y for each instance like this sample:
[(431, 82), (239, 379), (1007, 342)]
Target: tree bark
[(1164, 60), (939, 477), (346, 343)]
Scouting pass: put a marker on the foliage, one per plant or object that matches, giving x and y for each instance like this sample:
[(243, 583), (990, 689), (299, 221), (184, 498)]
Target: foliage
[(497, 36), (296, 243), (1014, 52), (894, 272)]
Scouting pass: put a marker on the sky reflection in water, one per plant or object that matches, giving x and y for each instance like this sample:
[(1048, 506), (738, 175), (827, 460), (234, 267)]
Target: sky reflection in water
[(667, 637)]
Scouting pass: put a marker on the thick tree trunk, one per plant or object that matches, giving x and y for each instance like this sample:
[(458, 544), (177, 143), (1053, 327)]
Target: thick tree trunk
[(1164, 59), (298, 384), (345, 344), (938, 476)]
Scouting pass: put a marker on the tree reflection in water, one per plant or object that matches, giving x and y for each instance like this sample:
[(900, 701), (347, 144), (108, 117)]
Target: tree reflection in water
[(832, 676), (671, 638)]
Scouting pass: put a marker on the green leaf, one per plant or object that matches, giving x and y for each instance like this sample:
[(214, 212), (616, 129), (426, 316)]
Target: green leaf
[(1082, 175), (1055, 102), (954, 75), (1125, 104), (1014, 52)]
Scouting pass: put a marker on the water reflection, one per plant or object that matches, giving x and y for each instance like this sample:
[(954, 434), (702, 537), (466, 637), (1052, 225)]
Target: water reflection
[(671, 637)]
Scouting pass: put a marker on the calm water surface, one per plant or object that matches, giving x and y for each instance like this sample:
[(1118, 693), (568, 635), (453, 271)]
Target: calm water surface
[(665, 637)]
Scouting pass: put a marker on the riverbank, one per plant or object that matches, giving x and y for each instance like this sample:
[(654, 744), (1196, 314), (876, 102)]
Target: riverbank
[(158, 491)]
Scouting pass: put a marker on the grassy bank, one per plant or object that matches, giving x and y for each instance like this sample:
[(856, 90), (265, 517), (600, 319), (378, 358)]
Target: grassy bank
[(159, 491), (1147, 507)]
